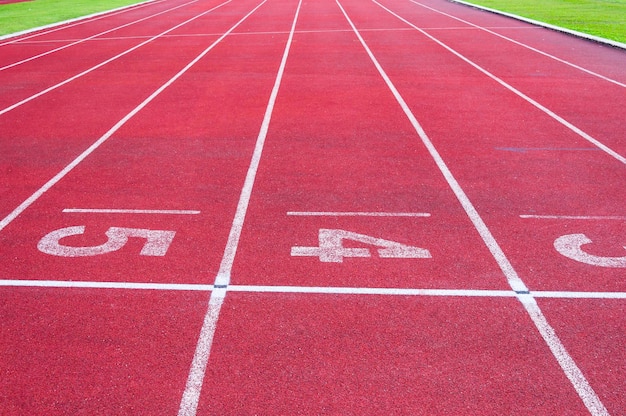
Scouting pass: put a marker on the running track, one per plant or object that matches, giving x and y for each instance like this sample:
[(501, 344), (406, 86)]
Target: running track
[(317, 207)]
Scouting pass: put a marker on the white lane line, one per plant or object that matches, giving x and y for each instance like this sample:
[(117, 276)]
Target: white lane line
[(356, 214), (517, 92), (35, 196), (511, 275), (130, 211), (574, 217), (93, 68), (66, 24), (60, 48), (580, 68), (569, 367), (193, 387), (321, 290), (567, 363), (223, 275)]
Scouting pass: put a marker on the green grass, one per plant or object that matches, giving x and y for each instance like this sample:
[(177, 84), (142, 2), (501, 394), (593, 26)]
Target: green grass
[(603, 18), (16, 17)]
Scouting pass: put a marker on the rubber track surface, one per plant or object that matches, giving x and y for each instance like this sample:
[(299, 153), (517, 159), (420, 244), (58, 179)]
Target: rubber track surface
[(311, 207)]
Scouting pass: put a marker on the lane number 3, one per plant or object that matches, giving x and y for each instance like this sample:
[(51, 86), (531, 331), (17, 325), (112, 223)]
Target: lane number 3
[(157, 242), (571, 247)]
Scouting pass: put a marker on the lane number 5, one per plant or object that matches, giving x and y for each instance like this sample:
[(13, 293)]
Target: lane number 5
[(157, 242)]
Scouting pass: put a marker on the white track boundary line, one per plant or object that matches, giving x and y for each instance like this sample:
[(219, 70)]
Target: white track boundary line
[(79, 41), (74, 22), (193, 387), (101, 64), (546, 25), (320, 290), (580, 68), (514, 90), (35, 196), (226, 265), (569, 367)]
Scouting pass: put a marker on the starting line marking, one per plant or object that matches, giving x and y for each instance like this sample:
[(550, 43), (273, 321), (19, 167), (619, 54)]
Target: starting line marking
[(329, 290), (130, 211), (357, 214)]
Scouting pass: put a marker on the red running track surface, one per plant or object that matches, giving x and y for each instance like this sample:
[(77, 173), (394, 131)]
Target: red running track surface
[(316, 207)]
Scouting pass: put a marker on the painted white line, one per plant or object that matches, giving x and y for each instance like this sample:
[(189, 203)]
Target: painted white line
[(574, 217), (93, 68), (579, 295), (372, 291), (567, 363), (546, 25), (506, 267), (595, 74), (35, 196), (580, 384), (32, 58), (517, 92), (356, 214), (129, 211), (329, 290), (193, 387), (74, 22), (69, 284), (223, 275)]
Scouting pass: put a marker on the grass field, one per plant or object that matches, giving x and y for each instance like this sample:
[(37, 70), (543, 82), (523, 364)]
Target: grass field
[(15, 17), (604, 18)]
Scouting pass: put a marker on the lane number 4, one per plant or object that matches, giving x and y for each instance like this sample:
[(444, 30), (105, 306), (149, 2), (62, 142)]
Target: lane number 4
[(332, 250), (157, 242)]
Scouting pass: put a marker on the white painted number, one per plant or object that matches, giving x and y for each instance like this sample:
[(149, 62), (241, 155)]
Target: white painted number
[(571, 247), (157, 242), (331, 249)]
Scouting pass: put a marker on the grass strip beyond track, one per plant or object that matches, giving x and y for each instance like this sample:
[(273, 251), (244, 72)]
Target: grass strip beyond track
[(602, 18), (15, 17)]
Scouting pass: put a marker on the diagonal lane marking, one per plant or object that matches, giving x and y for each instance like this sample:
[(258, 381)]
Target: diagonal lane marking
[(567, 363), (191, 395)]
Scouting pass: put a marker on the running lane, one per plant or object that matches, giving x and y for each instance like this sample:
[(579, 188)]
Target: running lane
[(564, 89), (17, 48), (516, 163), (343, 178), (36, 75), (37, 143), (187, 150), (87, 351), (552, 200)]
